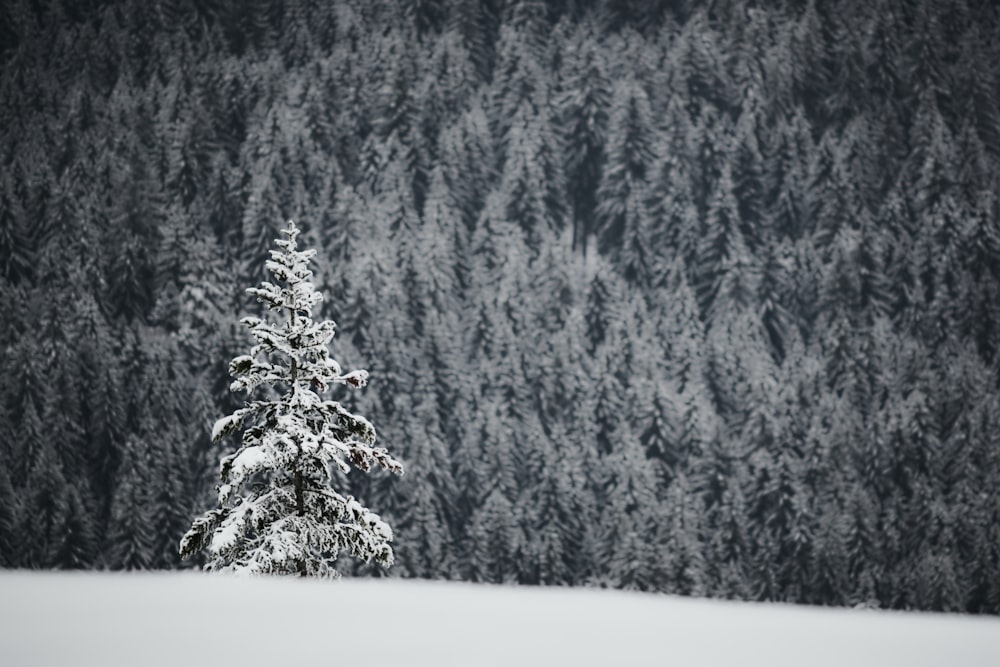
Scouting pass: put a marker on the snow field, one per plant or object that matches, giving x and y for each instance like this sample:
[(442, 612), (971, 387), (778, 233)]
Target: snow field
[(188, 619)]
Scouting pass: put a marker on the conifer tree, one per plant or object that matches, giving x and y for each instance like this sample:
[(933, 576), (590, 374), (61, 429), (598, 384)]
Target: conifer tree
[(277, 512), (10, 519)]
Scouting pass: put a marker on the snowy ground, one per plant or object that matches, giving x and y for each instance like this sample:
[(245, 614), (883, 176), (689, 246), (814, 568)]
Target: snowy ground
[(144, 620)]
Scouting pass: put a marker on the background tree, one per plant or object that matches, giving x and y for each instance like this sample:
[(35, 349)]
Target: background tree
[(790, 324)]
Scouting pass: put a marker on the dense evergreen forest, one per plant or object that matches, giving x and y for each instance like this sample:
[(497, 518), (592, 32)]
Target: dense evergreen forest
[(700, 300)]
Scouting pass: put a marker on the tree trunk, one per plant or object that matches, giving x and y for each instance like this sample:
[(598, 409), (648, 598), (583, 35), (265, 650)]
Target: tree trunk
[(300, 504)]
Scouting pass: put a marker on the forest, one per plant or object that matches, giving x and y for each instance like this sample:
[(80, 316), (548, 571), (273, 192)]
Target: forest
[(690, 298)]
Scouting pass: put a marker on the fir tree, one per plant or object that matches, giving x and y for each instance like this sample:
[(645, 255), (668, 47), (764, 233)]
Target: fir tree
[(277, 511)]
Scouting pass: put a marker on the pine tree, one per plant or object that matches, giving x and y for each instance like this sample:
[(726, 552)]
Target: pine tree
[(288, 519), (130, 538), (583, 108), (10, 518)]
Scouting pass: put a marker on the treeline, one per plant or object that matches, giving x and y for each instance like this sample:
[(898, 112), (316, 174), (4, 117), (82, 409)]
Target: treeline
[(654, 296)]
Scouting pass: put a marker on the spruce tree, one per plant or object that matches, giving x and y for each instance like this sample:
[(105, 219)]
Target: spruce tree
[(277, 510)]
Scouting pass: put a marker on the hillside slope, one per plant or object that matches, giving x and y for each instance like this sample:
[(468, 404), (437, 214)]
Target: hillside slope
[(189, 619)]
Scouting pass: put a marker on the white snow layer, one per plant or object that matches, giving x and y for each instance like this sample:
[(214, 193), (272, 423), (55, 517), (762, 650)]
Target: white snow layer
[(224, 423), (251, 458), (176, 619), (232, 527)]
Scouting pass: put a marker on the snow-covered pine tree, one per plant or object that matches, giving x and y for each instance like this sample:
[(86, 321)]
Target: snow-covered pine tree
[(277, 510)]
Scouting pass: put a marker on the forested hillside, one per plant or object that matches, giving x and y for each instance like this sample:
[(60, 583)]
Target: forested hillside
[(653, 296)]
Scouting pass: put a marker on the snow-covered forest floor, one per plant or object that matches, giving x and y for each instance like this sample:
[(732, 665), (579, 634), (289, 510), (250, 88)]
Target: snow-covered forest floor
[(190, 619)]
